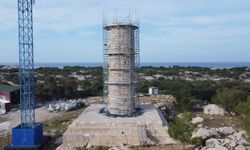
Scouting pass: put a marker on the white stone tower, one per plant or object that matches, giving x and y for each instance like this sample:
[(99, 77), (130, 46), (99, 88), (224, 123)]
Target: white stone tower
[(121, 62)]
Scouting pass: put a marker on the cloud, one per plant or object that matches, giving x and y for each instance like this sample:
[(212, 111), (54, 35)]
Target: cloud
[(170, 25)]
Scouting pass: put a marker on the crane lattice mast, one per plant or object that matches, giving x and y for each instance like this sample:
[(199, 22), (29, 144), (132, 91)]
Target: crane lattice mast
[(26, 63), (28, 134)]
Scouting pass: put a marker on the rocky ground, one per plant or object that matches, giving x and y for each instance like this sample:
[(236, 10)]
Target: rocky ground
[(219, 129), (158, 147)]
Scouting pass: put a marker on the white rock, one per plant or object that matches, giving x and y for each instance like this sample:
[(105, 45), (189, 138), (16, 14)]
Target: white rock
[(119, 148), (51, 109), (242, 141), (205, 133), (240, 147), (213, 109), (226, 142), (220, 147), (240, 135), (158, 105), (58, 107), (200, 125), (211, 143), (197, 120), (233, 113), (239, 138), (232, 144), (233, 137), (226, 130)]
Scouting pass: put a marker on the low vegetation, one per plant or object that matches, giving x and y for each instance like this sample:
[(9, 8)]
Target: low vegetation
[(191, 86), (181, 128), (244, 109), (229, 98), (58, 126)]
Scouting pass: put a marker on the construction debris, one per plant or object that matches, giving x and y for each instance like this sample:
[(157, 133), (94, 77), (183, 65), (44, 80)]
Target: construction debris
[(65, 106)]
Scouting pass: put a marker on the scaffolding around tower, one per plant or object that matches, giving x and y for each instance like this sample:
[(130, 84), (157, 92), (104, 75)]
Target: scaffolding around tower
[(121, 55)]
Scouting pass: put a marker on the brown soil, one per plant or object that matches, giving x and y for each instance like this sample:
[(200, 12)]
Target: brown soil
[(215, 121), (165, 147)]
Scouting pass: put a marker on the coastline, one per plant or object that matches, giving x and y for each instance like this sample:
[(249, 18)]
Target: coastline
[(216, 65)]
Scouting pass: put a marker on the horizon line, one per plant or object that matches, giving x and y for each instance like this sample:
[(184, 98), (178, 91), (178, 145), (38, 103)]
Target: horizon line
[(140, 62)]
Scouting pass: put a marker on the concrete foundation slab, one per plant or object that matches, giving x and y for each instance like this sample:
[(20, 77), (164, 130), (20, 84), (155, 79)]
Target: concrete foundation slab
[(92, 127)]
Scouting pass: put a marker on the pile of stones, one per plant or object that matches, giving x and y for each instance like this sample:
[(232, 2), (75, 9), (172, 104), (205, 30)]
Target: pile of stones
[(223, 138), (65, 106)]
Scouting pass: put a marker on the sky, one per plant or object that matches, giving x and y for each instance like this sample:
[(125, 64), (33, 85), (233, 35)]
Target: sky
[(170, 30)]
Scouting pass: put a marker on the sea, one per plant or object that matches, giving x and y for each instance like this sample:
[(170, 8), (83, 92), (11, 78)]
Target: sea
[(219, 65)]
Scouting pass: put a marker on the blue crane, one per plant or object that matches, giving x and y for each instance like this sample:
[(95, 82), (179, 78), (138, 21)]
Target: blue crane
[(28, 133), (26, 63)]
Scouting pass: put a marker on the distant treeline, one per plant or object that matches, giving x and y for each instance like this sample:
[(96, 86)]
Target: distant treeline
[(64, 83), (53, 82)]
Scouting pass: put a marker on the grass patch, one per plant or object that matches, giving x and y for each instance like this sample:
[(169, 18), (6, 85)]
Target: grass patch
[(59, 125)]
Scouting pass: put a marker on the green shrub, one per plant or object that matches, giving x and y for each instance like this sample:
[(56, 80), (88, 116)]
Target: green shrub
[(181, 128), (197, 141), (246, 121), (228, 98), (243, 107), (186, 101)]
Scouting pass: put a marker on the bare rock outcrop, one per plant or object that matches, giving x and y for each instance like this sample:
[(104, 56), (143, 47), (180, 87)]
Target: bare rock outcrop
[(213, 109), (205, 133), (197, 120), (229, 139)]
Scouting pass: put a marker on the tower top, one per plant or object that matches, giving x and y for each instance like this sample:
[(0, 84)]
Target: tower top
[(119, 25), (130, 20)]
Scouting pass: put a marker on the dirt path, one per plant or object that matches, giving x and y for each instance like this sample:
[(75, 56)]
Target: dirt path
[(12, 119)]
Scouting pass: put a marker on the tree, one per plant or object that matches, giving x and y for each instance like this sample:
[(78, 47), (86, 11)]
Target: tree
[(143, 86), (70, 87), (227, 98), (85, 84), (181, 128), (186, 101)]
